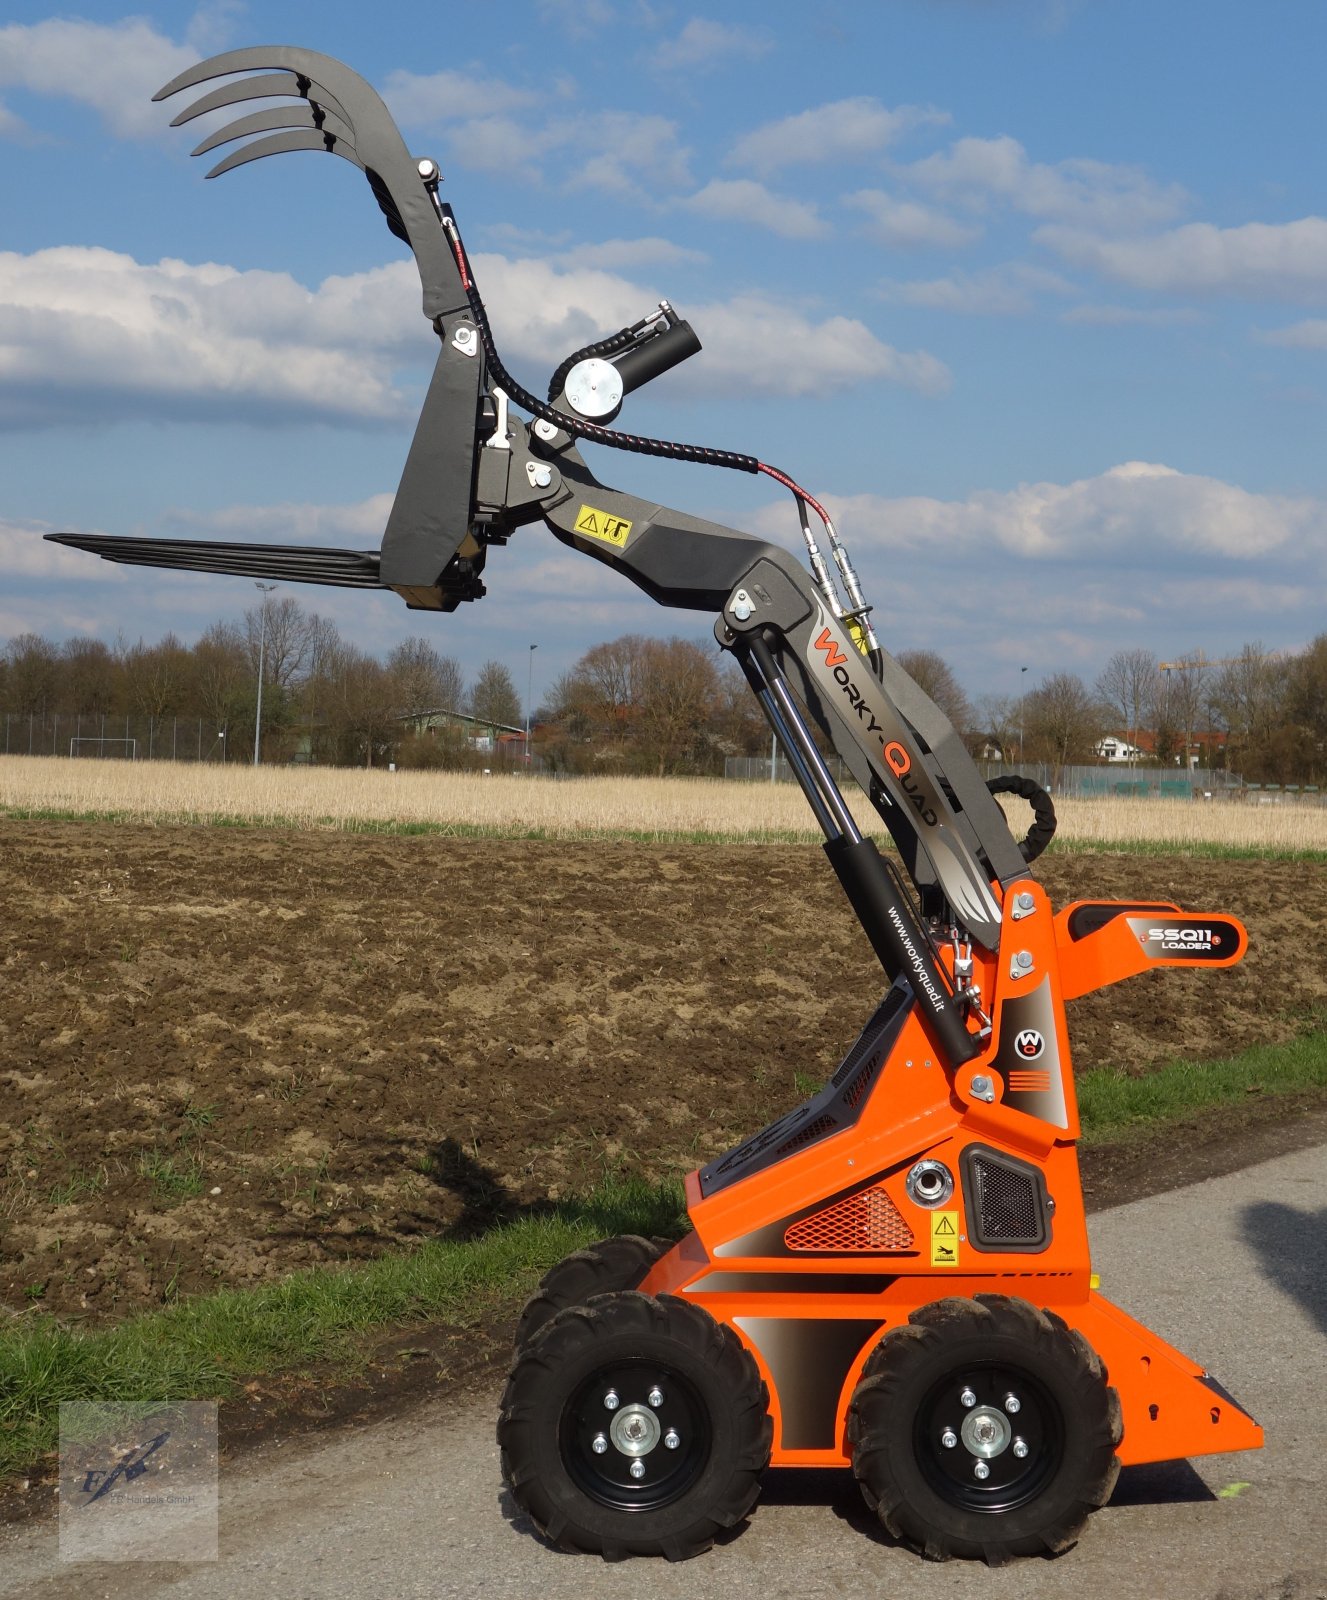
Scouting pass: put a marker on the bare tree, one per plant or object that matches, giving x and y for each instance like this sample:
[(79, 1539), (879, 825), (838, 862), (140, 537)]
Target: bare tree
[(88, 673), (1128, 688), (221, 674), (1184, 695), (1244, 696), (425, 681), (34, 674), (998, 719), (282, 629), (494, 699), (933, 676), (737, 718), (156, 677), (1063, 721), (678, 686)]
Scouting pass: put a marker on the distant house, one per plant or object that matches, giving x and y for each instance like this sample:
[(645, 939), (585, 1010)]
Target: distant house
[(479, 735), (1115, 748)]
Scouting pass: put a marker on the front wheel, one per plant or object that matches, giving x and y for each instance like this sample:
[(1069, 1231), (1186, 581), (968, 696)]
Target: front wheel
[(635, 1425), (985, 1428)]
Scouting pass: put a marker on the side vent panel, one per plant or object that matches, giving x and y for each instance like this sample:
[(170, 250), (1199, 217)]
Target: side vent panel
[(865, 1223), (1006, 1201)]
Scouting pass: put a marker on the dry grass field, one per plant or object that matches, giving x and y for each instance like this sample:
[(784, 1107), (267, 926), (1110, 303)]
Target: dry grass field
[(673, 809)]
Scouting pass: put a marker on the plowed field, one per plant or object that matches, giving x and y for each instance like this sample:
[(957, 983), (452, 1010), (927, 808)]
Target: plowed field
[(225, 1053)]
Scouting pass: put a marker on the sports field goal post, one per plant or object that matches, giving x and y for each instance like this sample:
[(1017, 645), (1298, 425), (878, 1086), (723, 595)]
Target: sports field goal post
[(123, 749)]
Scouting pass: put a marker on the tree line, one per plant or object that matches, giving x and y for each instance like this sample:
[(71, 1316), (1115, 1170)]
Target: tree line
[(645, 705), (323, 698)]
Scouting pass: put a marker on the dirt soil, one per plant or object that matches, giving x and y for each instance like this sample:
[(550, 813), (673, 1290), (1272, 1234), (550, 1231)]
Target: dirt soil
[(227, 1054)]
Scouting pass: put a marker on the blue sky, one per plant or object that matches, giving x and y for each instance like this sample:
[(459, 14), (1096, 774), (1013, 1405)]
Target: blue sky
[(1032, 293)]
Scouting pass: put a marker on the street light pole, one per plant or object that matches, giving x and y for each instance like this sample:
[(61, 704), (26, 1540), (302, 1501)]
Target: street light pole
[(1021, 713), (262, 649), (529, 689)]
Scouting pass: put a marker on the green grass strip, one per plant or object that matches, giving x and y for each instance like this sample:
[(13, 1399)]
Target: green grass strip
[(1113, 1105), (201, 1348), (1200, 849)]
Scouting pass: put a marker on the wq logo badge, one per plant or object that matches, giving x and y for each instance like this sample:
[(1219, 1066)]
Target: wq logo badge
[(138, 1482), (1029, 1044)]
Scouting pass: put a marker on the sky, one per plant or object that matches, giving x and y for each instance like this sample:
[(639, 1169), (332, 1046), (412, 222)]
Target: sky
[(1032, 294)]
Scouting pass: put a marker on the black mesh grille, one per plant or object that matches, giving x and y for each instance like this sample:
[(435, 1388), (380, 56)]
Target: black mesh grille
[(1006, 1202), (809, 1134)]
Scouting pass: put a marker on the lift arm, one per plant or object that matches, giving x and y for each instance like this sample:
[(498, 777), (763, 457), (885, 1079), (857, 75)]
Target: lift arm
[(477, 470)]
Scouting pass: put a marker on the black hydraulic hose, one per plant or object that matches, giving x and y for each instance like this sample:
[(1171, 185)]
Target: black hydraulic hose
[(1042, 831), (605, 347), (578, 427)]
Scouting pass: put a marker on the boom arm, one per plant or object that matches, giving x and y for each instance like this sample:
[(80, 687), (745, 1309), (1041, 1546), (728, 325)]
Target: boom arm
[(476, 471)]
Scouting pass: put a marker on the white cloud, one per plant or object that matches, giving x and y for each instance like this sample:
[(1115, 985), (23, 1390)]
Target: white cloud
[(908, 224), (354, 525), (842, 130), (1283, 261), (540, 314), (1004, 291), (704, 45), (24, 552), (425, 99), (89, 334), (579, 18), (93, 333), (1137, 506), (1308, 335), (625, 153), (115, 68), (1094, 316), (744, 200), (1077, 192)]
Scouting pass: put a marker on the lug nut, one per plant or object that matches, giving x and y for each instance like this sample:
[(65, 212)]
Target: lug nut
[(949, 1438), (599, 1444), (655, 1397), (672, 1439), (611, 1401), (980, 1469), (1012, 1404), (637, 1469), (1020, 1448), (967, 1398)]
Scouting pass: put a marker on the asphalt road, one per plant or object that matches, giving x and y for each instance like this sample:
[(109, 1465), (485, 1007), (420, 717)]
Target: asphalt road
[(1233, 1271)]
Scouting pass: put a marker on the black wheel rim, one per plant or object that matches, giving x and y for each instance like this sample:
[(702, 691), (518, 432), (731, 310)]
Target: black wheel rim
[(655, 1406), (993, 1417)]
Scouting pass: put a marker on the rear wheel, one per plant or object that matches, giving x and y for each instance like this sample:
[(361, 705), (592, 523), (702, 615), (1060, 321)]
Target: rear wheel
[(985, 1428), (603, 1268), (635, 1426)]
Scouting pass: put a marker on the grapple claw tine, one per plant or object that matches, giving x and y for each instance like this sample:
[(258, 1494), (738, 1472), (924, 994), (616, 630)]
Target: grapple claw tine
[(278, 143), (371, 141), (265, 86), (250, 60), (302, 116)]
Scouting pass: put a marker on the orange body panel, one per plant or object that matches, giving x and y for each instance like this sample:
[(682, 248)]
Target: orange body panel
[(821, 1249)]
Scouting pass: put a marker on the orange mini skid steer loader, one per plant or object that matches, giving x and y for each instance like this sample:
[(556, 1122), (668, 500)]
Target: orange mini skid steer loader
[(894, 1277)]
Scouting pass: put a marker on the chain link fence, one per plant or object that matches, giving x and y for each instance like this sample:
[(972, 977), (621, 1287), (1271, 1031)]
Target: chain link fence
[(1199, 783)]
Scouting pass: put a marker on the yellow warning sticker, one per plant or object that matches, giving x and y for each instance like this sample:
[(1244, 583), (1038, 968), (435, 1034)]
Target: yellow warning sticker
[(596, 524), (944, 1238)]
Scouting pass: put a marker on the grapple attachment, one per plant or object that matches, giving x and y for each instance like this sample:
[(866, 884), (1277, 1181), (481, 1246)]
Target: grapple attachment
[(432, 552)]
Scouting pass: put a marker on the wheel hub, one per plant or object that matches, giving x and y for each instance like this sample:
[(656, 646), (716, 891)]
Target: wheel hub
[(635, 1430), (986, 1432)]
